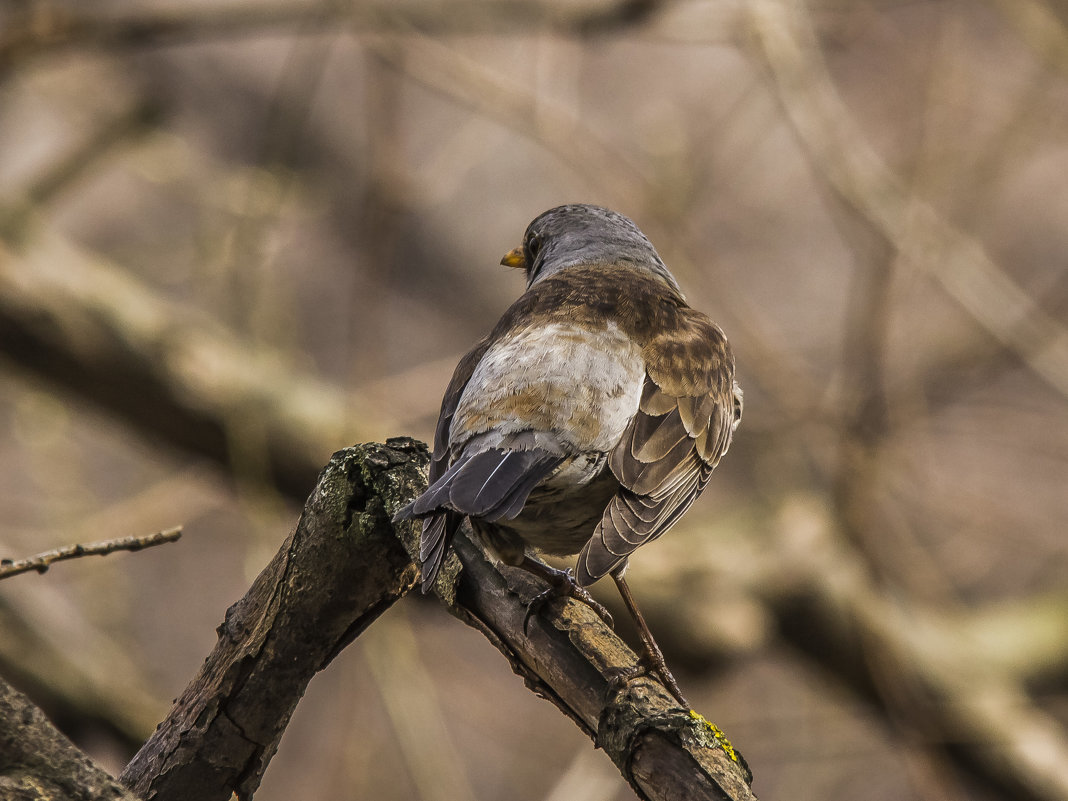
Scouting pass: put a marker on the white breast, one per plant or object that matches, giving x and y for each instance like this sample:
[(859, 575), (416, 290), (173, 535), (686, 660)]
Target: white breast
[(578, 387)]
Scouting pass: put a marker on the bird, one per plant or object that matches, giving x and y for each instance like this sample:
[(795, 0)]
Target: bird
[(587, 421)]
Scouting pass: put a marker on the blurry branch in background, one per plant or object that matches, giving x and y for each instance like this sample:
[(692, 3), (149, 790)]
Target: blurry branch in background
[(89, 325), (976, 363), (406, 683), (852, 170), (174, 374), (42, 561), (43, 27), (243, 262), (558, 128), (1041, 27), (737, 606), (345, 565), (16, 214), (934, 695)]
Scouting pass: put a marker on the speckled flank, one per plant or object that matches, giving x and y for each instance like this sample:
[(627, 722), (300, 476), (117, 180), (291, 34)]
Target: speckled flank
[(582, 384)]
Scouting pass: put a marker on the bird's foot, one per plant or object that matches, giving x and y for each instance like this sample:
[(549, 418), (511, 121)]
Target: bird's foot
[(660, 668), (562, 584), (620, 677), (652, 657)]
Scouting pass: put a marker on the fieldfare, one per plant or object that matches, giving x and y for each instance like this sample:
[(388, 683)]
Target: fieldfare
[(589, 419)]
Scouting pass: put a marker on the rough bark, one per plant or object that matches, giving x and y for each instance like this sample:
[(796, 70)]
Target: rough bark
[(569, 656), (342, 567), (336, 574), (37, 763)]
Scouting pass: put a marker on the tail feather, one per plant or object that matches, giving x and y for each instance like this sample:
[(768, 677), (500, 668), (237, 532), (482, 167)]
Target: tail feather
[(438, 532), (495, 482), (489, 485)]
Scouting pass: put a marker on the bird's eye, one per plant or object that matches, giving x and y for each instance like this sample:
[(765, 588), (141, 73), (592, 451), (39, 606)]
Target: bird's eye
[(533, 246)]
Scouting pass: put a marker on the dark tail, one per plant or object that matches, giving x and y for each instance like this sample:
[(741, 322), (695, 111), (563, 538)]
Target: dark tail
[(489, 485)]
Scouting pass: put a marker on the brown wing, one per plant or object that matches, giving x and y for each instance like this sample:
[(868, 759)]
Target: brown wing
[(689, 408)]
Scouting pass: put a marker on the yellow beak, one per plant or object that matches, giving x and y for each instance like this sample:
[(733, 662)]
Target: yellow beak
[(515, 258)]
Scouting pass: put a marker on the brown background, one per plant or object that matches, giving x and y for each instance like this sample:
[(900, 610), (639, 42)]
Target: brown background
[(294, 213)]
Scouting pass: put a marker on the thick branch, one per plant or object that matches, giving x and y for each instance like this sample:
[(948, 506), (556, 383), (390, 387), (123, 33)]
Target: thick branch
[(570, 657), (37, 763), (957, 678), (345, 565), (336, 574)]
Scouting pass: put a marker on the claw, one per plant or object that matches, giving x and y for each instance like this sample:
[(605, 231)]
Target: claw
[(620, 677), (659, 668), (561, 585), (535, 605)]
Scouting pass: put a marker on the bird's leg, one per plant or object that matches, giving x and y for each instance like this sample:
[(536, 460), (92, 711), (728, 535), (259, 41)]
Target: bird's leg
[(561, 584), (652, 657)]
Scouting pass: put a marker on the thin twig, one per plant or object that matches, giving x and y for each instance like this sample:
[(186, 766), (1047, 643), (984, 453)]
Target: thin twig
[(42, 561)]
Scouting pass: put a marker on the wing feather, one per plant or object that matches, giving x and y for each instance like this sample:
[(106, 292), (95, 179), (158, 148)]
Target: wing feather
[(689, 407)]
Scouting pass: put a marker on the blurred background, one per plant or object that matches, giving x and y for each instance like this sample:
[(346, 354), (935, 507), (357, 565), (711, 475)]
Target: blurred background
[(238, 236)]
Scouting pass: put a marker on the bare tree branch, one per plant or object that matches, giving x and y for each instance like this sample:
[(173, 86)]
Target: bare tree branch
[(60, 650), (332, 578), (967, 703), (571, 658), (37, 763), (342, 567), (42, 561)]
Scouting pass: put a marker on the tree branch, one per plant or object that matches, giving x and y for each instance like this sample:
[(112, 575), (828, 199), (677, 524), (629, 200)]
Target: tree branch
[(42, 561), (332, 578), (568, 656), (343, 566), (37, 763), (959, 679)]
